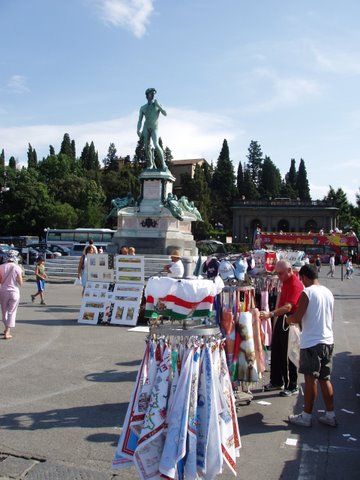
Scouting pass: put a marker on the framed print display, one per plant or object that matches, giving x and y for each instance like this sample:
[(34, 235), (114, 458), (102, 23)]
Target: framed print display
[(114, 303), (129, 269), (124, 313), (101, 267)]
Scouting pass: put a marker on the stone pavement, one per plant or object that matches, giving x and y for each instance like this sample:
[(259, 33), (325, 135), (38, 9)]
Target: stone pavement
[(65, 388)]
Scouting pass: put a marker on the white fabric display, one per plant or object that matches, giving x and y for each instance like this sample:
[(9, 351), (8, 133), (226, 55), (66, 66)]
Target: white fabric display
[(151, 440), (181, 298), (189, 429), (247, 368)]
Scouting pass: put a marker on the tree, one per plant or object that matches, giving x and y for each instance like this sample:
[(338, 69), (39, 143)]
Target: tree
[(240, 183), (67, 147), (270, 179), (291, 176), (32, 157), (2, 159), (139, 158), (223, 188), (302, 183), (255, 160), (89, 158), (339, 199), (250, 190), (111, 161), (12, 163)]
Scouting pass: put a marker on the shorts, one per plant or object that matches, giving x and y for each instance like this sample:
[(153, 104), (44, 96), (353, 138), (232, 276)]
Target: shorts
[(40, 285), (317, 361)]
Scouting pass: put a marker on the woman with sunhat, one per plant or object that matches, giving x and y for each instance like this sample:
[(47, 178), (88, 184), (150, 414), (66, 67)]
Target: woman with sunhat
[(10, 281)]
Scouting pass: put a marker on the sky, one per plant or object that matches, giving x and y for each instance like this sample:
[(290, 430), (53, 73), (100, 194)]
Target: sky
[(280, 72)]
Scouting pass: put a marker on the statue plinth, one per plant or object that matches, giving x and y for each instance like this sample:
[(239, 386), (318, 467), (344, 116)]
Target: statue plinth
[(150, 227)]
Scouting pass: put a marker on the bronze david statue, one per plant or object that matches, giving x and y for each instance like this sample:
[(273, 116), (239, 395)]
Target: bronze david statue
[(151, 111)]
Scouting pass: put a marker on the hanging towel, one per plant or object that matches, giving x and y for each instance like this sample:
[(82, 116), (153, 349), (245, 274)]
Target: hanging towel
[(128, 440), (175, 444), (151, 440)]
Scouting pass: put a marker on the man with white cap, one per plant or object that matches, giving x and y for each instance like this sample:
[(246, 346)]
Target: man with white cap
[(176, 268)]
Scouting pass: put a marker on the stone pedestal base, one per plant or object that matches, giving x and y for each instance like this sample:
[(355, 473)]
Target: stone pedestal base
[(150, 227)]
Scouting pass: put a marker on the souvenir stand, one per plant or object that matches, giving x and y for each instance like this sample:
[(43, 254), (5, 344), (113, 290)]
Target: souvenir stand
[(181, 420), (247, 336)]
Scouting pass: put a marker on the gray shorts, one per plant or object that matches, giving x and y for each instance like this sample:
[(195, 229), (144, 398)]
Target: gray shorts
[(317, 361)]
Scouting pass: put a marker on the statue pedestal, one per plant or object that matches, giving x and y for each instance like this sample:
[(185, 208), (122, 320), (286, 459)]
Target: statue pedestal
[(150, 227)]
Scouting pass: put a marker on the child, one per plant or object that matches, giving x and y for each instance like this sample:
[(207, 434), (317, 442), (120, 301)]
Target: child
[(40, 280)]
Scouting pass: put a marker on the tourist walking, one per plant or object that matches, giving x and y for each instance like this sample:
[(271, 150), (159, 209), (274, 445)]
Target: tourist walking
[(40, 280), (10, 281), (331, 272), (315, 315), (318, 263)]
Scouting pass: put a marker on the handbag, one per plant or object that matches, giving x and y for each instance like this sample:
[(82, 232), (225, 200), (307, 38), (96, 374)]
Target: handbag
[(293, 342), (77, 282)]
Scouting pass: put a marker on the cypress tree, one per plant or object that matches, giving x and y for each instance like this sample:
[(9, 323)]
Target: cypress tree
[(270, 179), (12, 163), (240, 183), (32, 157), (2, 158), (255, 160), (66, 146), (302, 183)]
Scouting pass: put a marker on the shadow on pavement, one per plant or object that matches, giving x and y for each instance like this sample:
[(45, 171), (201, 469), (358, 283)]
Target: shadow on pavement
[(112, 376), (91, 416)]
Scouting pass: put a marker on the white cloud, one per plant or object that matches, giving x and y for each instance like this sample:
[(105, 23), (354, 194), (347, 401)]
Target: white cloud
[(343, 63), (134, 15), (287, 91), (188, 133), (17, 84)]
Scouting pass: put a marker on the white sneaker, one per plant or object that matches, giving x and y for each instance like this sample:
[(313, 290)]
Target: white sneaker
[(300, 420), (330, 421)]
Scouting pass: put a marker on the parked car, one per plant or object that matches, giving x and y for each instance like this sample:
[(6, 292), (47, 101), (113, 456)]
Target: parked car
[(57, 250), (30, 254), (64, 251)]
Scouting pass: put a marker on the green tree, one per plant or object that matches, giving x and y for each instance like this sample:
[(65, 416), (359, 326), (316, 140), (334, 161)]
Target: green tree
[(255, 160), (339, 199), (251, 192), (240, 182), (139, 159), (270, 179), (62, 215), (2, 159), (27, 204), (12, 163), (67, 147), (32, 157), (302, 183), (291, 176), (223, 188), (111, 161)]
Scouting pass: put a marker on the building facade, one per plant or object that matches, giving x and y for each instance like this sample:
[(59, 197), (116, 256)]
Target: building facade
[(281, 214), (180, 167)]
